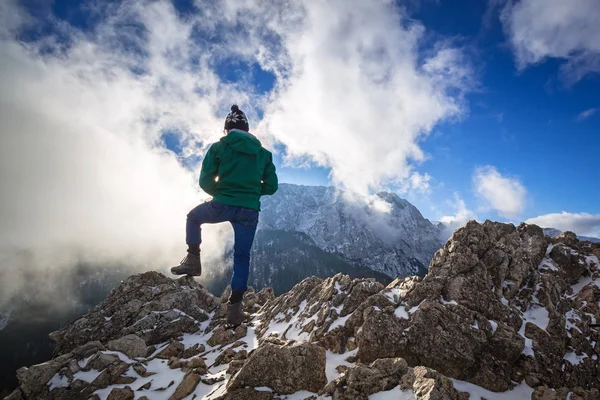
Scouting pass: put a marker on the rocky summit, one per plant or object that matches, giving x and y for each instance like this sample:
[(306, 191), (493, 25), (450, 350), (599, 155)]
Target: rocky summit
[(504, 312)]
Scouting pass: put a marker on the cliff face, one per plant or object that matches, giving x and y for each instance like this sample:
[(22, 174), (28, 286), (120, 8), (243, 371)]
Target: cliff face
[(503, 311)]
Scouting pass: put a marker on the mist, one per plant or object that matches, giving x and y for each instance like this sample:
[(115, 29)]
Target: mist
[(85, 175)]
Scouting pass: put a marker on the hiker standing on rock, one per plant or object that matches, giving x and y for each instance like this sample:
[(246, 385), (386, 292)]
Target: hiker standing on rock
[(236, 171)]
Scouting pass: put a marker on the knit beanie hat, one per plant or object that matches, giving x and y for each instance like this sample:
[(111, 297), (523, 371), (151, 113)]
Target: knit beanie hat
[(236, 119)]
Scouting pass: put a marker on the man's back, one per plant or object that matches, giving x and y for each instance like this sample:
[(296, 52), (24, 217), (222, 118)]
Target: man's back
[(245, 171)]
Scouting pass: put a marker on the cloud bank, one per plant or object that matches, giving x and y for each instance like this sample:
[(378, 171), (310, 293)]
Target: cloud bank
[(583, 224), (82, 161), (499, 193), (568, 30)]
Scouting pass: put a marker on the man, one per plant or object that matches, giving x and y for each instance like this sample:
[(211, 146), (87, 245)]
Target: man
[(236, 171)]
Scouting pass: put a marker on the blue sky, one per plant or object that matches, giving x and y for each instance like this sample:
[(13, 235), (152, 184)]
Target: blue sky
[(510, 128)]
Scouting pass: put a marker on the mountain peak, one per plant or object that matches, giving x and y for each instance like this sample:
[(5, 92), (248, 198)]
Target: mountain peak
[(519, 312)]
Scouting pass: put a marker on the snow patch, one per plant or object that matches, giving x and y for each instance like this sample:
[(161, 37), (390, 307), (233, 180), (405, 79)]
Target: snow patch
[(58, 381), (332, 360), (87, 376), (574, 358), (448, 302), (394, 394), (494, 325), (401, 312)]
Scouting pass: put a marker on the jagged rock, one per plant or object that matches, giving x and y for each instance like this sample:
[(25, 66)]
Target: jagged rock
[(173, 349), (143, 305), (193, 351), (88, 349), (111, 374), (175, 363), (225, 357), (33, 379), (187, 386), (121, 394), (223, 336), (431, 385), (15, 395), (500, 305), (196, 362), (246, 394), (141, 370), (546, 393), (131, 345), (360, 381), (285, 369), (100, 361), (235, 366)]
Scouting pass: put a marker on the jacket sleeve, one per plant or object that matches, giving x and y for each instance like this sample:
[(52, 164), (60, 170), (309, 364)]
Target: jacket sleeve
[(209, 171), (269, 179)]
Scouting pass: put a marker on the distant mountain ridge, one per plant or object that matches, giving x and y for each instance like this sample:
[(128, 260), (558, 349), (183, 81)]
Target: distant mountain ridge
[(383, 233)]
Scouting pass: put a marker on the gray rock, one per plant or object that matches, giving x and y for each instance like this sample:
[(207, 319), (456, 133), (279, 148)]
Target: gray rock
[(121, 394), (131, 345), (285, 369)]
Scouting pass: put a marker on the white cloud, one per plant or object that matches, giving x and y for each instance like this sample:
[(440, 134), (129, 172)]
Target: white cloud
[(586, 114), (568, 30), (459, 219), (502, 194), (357, 98), (581, 223), (81, 160)]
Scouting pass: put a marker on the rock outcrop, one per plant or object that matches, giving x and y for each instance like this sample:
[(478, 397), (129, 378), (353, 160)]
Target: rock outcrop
[(502, 309)]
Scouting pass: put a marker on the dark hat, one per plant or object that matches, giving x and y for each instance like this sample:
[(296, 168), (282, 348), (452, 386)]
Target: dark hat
[(236, 119)]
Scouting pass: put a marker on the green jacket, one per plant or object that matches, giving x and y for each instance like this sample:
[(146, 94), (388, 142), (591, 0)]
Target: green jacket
[(244, 169)]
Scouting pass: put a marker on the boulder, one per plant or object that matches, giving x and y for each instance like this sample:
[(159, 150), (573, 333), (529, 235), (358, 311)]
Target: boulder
[(131, 345), (284, 368)]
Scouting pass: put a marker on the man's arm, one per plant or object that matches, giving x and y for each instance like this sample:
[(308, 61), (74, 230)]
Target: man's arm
[(269, 178), (209, 171)]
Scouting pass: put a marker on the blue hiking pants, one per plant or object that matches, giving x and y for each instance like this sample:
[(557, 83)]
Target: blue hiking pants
[(244, 222)]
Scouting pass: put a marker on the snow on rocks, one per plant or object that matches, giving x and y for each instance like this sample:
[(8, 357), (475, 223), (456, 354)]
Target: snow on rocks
[(490, 320)]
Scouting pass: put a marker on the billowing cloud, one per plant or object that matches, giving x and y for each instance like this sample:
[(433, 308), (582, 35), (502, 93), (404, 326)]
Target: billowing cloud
[(459, 219), (355, 93), (82, 160), (581, 223), (568, 30), (499, 193)]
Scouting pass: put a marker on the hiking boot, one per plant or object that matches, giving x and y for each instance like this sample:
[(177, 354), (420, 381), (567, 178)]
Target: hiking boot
[(235, 314), (190, 266)]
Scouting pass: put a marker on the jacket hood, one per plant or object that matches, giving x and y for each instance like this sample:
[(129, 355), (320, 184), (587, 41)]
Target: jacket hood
[(242, 142)]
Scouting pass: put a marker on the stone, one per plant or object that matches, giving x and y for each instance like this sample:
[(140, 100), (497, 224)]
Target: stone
[(33, 380), (173, 349), (285, 369), (197, 362), (246, 394), (121, 394), (88, 349), (193, 351), (132, 309), (187, 386), (235, 366), (223, 336), (131, 345)]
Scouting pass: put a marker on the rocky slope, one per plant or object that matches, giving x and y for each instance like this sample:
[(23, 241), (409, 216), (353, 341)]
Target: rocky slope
[(383, 233), (503, 313)]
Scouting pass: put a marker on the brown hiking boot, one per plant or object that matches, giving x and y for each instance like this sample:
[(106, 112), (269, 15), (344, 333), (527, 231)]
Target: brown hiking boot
[(190, 266), (235, 314)]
